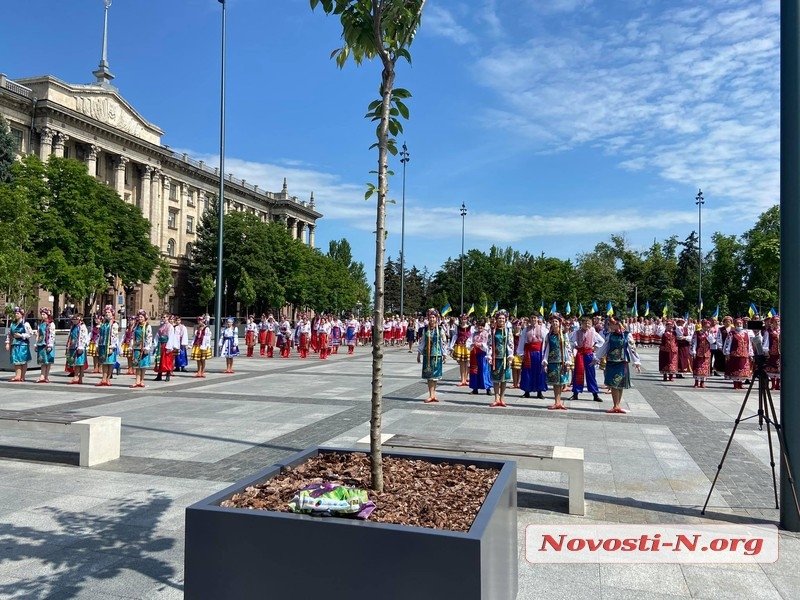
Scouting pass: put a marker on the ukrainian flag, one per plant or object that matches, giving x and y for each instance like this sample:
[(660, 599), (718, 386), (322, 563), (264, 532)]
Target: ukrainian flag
[(594, 307), (471, 309), (580, 309), (568, 309), (446, 309), (635, 311), (716, 313), (609, 309), (701, 303), (486, 308), (773, 312), (647, 309), (664, 312), (752, 311), (541, 308), (496, 307), (686, 316), (553, 309)]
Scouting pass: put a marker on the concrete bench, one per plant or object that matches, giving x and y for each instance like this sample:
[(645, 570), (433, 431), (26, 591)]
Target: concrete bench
[(100, 436), (528, 456)]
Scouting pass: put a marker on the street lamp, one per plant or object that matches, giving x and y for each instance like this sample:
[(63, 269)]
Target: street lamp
[(404, 159), (218, 303), (463, 214), (699, 201)]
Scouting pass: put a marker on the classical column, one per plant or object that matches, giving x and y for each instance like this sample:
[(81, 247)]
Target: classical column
[(60, 140), (144, 193), (46, 146), (155, 207), (291, 223), (311, 229), (164, 215), (91, 159), (119, 176), (301, 231)]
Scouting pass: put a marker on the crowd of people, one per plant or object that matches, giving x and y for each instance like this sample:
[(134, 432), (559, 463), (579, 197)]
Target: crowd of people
[(495, 353), (531, 354)]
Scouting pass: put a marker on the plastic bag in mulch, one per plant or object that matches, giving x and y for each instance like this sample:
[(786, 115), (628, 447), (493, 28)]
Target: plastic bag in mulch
[(332, 499)]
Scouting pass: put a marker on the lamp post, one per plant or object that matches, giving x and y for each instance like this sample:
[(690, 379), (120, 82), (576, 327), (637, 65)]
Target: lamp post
[(218, 303), (699, 201), (404, 159), (463, 214)]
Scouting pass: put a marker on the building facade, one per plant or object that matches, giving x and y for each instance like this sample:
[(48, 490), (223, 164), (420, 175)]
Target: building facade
[(94, 124)]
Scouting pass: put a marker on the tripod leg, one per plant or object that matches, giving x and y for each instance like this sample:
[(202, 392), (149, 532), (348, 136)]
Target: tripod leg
[(728, 446), (784, 455), (762, 403)]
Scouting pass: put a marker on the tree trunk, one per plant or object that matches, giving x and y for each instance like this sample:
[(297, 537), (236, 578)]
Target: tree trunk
[(376, 458)]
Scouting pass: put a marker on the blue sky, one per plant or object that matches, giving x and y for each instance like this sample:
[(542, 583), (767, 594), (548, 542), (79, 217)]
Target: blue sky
[(557, 122)]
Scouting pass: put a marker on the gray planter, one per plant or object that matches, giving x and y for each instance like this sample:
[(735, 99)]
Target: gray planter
[(240, 553)]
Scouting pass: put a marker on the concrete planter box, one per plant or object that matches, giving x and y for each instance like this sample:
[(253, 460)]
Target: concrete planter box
[(240, 553)]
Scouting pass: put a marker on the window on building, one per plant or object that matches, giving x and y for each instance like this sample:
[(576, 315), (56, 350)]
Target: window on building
[(172, 220), (173, 192), (205, 202), (17, 135), (189, 224), (190, 198), (171, 248)]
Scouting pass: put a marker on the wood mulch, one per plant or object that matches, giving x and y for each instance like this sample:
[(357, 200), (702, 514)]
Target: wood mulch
[(416, 492)]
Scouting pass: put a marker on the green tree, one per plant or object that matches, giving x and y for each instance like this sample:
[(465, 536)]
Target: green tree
[(246, 292), (762, 255), (164, 282), (207, 290), (725, 274), (382, 29), (17, 259), (8, 151)]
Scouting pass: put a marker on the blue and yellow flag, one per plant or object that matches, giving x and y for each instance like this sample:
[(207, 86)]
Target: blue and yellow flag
[(495, 308), (686, 316), (486, 308), (471, 309), (752, 311), (541, 308), (553, 309), (594, 307), (701, 303), (716, 313), (664, 312), (580, 309), (609, 309), (647, 309), (568, 309), (446, 309), (635, 311), (773, 312)]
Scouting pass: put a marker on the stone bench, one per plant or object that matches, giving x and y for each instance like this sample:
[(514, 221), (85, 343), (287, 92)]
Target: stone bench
[(100, 436), (528, 456)]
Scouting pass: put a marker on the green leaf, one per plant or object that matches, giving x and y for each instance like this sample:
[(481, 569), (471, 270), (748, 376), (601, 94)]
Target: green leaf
[(402, 108), (401, 93)]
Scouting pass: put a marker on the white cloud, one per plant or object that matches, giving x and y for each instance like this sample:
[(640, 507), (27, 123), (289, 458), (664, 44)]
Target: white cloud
[(442, 23), (690, 92)]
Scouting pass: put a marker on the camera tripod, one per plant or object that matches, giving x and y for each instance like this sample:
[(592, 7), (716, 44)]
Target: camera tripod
[(766, 414)]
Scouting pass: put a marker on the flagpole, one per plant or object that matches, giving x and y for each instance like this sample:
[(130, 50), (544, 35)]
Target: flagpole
[(221, 200), (700, 202)]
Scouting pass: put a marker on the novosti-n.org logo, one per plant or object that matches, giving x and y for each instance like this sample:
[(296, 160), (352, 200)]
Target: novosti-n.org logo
[(673, 543)]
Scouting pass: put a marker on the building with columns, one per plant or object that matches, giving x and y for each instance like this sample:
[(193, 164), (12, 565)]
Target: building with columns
[(93, 123)]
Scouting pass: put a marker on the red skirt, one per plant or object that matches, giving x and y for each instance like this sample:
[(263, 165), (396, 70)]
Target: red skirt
[(250, 338)]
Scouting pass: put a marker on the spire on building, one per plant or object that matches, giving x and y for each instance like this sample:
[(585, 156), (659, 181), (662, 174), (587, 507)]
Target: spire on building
[(311, 203), (103, 74), (285, 189)]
